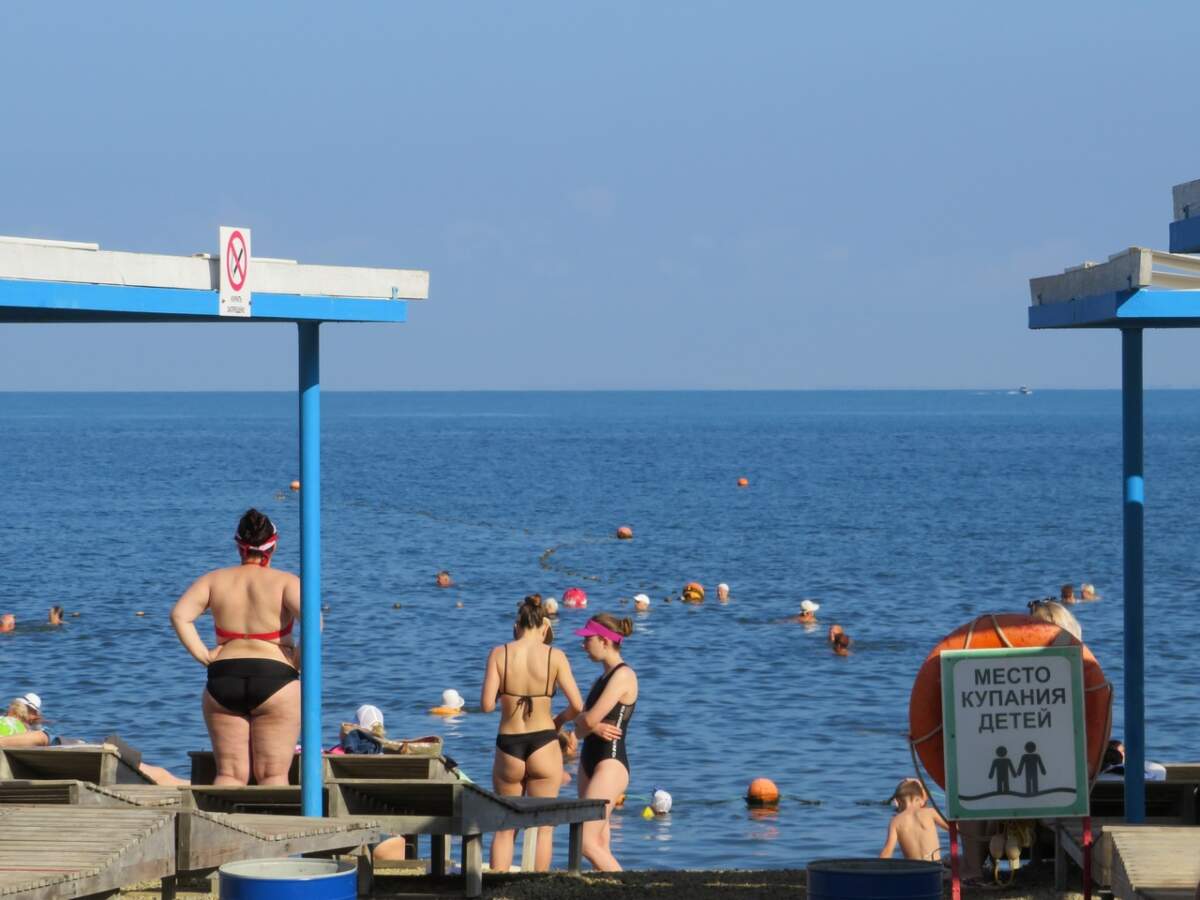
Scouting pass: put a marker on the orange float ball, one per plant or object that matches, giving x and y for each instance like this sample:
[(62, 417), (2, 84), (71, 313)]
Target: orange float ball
[(762, 792), (625, 533), (295, 485), (743, 482)]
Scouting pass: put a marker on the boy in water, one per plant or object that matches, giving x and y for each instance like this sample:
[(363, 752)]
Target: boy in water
[(914, 827)]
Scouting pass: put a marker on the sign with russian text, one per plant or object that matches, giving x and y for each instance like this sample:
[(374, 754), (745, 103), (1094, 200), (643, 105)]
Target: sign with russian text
[(1016, 743), (234, 271)]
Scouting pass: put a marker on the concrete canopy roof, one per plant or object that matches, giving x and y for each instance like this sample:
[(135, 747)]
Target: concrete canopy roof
[(62, 281)]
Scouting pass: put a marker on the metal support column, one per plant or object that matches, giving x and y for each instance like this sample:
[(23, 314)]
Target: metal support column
[(311, 770), (1134, 504)]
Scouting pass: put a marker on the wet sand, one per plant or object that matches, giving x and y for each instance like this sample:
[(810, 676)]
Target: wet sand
[(1033, 883)]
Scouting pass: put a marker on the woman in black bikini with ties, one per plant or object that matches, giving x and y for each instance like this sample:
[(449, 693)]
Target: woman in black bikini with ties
[(251, 701), (603, 763), (523, 674)]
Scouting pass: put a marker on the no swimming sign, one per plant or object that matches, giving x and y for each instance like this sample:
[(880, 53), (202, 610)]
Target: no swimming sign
[(1014, 733)]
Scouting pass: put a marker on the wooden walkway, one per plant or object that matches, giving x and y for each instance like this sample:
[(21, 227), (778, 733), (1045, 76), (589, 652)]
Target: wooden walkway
[(63, 852), (1155, 862)]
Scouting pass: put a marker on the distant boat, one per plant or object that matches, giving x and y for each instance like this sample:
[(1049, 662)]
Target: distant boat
[(1024, 390)]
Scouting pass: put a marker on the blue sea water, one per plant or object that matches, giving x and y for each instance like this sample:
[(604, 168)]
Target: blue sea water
[(904, 513)]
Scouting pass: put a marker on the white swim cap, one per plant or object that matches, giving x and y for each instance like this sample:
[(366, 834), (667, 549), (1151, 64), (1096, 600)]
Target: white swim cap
[(809, 607), (368, 716), (661, 802), (641, 600), (452, 699)]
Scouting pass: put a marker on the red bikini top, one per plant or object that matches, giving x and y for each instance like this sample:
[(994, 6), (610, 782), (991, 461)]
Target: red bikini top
[(223, 635)]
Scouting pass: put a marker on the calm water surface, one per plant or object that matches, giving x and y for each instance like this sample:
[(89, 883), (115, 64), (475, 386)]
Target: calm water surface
[(905, 514)]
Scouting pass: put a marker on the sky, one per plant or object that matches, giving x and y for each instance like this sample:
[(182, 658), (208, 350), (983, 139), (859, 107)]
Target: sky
[(627, 195)]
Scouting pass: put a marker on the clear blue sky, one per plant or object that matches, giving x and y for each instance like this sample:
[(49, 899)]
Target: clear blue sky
[(617, 195)]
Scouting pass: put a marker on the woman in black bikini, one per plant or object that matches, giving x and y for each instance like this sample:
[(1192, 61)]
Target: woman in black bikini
[(252, 698), (603, 763), (523, 674)]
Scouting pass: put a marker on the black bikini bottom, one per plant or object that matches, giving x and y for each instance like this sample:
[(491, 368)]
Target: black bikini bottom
[(243, 685), (523, 746)]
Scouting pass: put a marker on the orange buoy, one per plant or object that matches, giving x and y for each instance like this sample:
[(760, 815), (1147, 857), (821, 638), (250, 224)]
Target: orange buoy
[(743, 482), (762, 792), (990, 632), (295, 485), (693, 592), (625, 533)]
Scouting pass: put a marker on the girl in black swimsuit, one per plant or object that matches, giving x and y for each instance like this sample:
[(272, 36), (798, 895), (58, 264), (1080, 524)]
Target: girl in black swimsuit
[(603, 762), (521, 676)]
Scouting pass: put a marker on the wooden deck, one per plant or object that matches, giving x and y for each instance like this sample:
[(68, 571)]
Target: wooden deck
[(63, 852), (1155, 862)]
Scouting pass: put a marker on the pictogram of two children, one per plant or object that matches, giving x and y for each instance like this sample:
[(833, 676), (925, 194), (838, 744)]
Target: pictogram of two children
[(1030, 765)]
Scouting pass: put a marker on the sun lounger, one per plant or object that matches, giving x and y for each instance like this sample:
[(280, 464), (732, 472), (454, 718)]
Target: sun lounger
[(83, 793), (64, 851), (345, 765), (1155, 861), (443, 809), (1167, 803), (98, 763)]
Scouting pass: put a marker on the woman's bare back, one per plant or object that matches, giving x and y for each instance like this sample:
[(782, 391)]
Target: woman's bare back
[(527, 670), (254, 600)]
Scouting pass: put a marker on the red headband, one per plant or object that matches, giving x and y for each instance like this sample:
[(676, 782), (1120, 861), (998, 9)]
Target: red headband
[(265, 547)]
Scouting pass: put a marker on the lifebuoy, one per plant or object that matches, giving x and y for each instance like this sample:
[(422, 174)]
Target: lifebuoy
[(990, 632)]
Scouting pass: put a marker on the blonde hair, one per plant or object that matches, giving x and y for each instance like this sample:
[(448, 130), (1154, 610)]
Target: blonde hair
[(23, 711), (1056, 614)]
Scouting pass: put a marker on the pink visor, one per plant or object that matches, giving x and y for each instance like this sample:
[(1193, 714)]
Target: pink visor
[(594, 628)]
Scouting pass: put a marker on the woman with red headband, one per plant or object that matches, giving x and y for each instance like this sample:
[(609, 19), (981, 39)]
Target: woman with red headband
[(603, 763), (251, 702)]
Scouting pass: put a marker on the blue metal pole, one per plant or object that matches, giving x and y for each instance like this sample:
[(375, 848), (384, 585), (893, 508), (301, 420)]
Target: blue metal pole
[(1135, 670), (311, 769)]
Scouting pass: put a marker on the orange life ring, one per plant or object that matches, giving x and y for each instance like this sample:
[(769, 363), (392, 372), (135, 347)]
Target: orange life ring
[(990, 632), (447, 710)]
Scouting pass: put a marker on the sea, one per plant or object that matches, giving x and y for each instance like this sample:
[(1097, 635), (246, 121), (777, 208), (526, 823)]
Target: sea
[(903, 514)]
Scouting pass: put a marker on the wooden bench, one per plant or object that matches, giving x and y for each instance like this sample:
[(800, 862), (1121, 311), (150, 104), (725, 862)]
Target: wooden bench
[(443, 809), (1155, 862), (65, 851), (98, 763)]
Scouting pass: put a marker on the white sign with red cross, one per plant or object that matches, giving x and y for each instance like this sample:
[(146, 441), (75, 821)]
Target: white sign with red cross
[(235, 271)]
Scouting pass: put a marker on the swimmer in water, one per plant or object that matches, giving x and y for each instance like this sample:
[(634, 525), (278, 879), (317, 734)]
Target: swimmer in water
[(1088, 592), (808, 612), (56, 615), (641, 602), (841, 644), (444, 580), (834, 630), (8, 622), (723, 592), (1066, 595)]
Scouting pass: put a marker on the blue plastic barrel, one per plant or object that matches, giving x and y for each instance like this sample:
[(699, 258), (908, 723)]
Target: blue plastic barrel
[(874, 879), (289, 879)]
